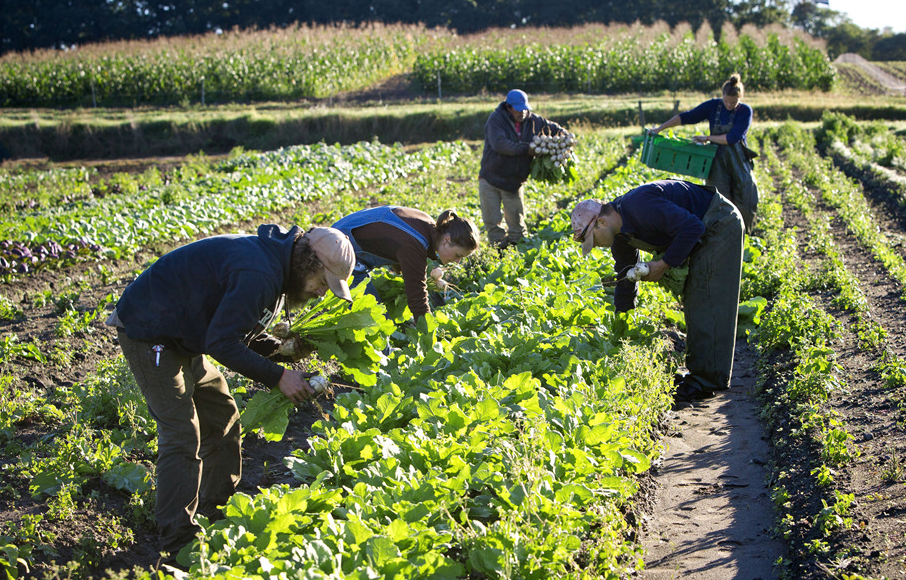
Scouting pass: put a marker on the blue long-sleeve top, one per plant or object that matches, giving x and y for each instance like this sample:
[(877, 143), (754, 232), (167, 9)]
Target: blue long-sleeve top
[(714, 110), (665, 215)]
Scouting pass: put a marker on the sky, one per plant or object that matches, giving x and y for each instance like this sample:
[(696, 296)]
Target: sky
[(875, 14)]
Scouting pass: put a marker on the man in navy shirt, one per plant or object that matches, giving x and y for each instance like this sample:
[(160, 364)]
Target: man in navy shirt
[(682, 222)]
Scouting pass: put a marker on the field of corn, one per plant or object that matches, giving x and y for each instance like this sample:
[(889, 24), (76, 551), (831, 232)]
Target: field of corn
[(317, 63), (512, 434)]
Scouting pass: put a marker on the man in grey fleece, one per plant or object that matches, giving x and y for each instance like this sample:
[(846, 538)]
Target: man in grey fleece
[(216, 297), (505, 166)]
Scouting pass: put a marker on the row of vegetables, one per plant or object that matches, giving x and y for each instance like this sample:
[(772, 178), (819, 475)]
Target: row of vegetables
[(240, 188), (51, 480), (502, 438)]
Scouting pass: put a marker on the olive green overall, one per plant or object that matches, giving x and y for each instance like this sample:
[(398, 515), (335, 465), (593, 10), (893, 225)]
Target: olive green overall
[(731, 174), (711, 295)]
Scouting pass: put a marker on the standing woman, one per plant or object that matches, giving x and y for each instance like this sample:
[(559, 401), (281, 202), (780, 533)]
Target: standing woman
[(731, 172), (406, 238)]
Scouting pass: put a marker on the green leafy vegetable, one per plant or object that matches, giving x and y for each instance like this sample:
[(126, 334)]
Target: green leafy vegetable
[(267, 413), (354, 334), (129, 477), (674, 279)]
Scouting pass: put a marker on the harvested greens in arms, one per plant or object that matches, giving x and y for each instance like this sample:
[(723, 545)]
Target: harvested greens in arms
[(554, 160), (354, 334)]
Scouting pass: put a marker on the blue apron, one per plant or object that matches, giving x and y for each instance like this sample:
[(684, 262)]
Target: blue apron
[(367, 261)]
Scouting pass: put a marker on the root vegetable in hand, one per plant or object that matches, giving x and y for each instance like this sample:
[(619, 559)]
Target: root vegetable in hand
[(438, 275), (318, 383), (293, 347), (281, 330), (637, 272)]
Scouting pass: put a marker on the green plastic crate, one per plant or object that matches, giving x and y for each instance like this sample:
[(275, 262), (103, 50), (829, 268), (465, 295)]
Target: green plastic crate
[(678, 155)]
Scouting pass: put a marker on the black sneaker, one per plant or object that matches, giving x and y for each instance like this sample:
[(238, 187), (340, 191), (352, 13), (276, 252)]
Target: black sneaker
[(687, 391)]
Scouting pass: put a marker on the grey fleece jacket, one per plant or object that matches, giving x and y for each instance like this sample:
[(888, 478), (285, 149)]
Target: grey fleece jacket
[(505, 161)]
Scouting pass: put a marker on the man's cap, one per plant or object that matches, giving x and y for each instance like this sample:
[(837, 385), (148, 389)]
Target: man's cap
[(584, 214), (335, 252), (518, 100)]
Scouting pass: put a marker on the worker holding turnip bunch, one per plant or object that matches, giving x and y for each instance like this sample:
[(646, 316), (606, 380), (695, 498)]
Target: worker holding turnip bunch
[(214, 297), (506, 164), (729, 120), (687, 225), (405, 239)]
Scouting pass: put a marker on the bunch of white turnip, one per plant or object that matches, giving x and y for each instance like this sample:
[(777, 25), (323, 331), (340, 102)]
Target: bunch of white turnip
[(554, 160), (558, 147)]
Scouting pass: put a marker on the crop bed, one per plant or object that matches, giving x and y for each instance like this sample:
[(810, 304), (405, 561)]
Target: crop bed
[(512, 436)]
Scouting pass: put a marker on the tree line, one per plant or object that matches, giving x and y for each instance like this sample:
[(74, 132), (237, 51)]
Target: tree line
[(36, 24)]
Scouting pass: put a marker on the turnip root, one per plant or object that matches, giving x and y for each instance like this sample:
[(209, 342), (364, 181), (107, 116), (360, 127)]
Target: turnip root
[(438, 275), (318, 383), (637, 272), (287, 348), (281, 330)]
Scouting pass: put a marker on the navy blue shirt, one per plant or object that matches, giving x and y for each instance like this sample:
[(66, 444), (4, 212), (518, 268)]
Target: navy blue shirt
[(211, 296), (714, 110), (665, 215)]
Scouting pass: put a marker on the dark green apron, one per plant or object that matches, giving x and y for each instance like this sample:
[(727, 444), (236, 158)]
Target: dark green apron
[(711, 294), (731, 173)]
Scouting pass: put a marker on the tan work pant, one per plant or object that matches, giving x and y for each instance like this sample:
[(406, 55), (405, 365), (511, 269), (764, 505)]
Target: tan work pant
[(491, 198)]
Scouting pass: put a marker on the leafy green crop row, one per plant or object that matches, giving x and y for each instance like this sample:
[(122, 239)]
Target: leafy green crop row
[(504, 438), (100, 454), (872, 153), (237, 189), (798, 343), (875, 141), (501, 439), (843, 194)]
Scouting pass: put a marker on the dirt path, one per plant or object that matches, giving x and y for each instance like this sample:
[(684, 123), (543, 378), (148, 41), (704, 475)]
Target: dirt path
[(713, 514), (887, 80)]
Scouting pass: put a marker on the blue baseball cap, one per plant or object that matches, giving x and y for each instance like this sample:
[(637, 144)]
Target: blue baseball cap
[(518, 100)]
